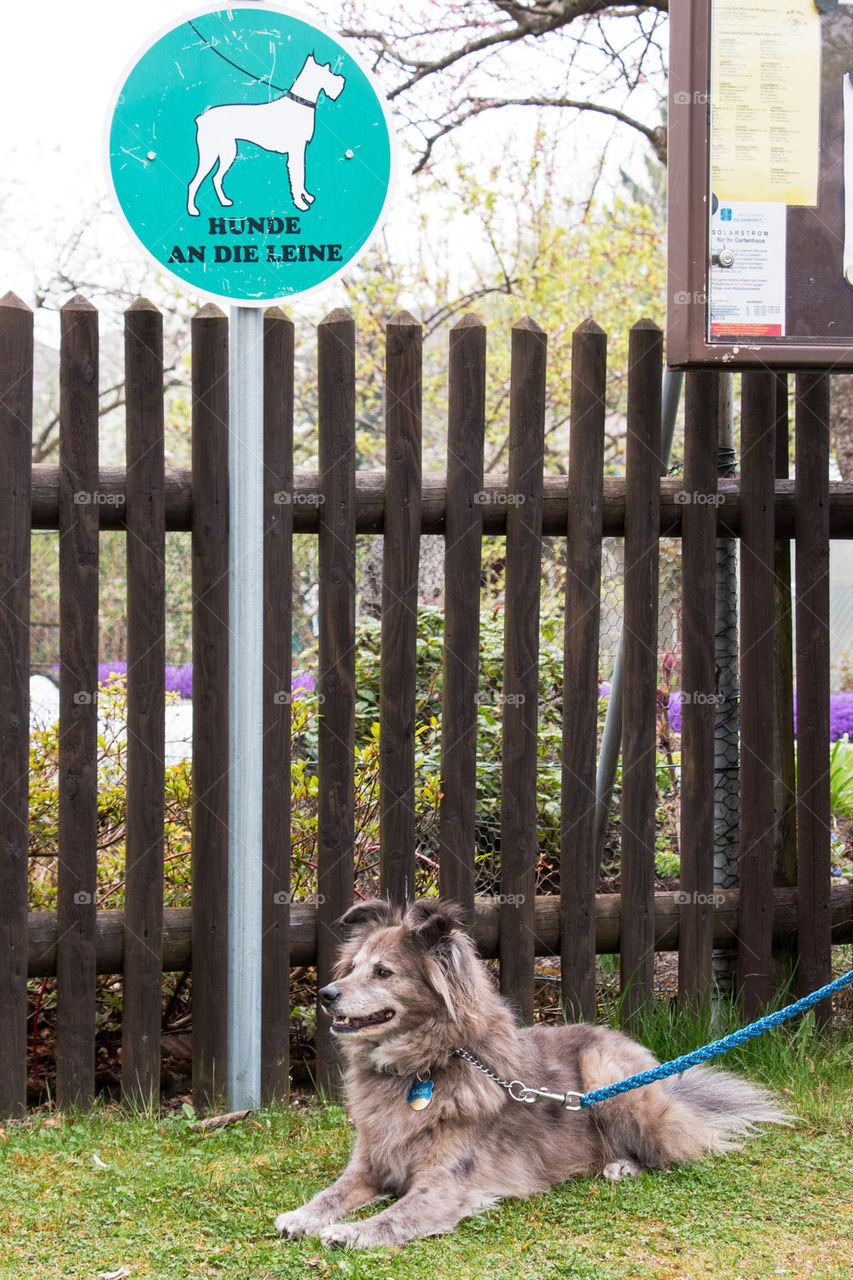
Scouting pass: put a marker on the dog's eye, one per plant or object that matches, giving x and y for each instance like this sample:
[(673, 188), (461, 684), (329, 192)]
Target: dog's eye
[(381, 972)]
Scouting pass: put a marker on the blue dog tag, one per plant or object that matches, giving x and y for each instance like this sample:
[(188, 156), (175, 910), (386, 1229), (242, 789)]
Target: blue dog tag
[(420, 1095)]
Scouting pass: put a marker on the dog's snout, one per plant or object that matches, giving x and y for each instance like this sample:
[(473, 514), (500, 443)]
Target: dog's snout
[(329, 994)]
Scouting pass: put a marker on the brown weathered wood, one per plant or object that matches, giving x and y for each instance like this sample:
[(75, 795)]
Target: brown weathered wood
[(278, 631), (109, 941), (578, 871), (370, 503), (78, 704), (177, 928), (520, 696), (639, 719), (219, 1122), (812, 591), (784, 767), (111, 484), (16, 431), (146, 702), (399, 639), (462, 570), (336, 614), (755, 866), (698, 683), (210, 702)]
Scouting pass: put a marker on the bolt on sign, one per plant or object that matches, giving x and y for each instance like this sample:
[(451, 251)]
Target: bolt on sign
[(250, 154), (761, 184)]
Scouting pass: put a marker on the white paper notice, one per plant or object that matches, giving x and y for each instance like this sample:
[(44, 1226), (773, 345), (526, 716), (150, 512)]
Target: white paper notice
[(765, 100), (747, 298), (847, 91)]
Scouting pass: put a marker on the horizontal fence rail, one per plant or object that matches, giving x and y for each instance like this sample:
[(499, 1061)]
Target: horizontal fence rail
[(606, 914), (776, 906), (369, 503)]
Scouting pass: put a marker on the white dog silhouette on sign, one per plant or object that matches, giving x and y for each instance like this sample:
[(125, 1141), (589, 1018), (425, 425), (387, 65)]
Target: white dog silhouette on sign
[(285, 125)]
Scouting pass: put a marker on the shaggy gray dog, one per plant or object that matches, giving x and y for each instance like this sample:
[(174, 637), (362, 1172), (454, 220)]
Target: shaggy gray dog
[(439, 1134)]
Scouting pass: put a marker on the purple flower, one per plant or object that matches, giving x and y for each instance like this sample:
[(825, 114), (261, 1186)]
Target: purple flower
[(674, 709), (180, 680), (107, 669), (302, 682), (840, 715)]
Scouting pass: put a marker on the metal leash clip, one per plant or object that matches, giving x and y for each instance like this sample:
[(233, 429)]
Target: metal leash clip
[(518, 1090), (520, 1093), (562, 1098)]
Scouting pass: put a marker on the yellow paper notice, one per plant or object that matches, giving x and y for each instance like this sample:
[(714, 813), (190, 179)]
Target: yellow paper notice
[(765, 100)]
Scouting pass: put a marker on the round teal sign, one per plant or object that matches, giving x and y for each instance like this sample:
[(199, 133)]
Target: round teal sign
[(250, 153)]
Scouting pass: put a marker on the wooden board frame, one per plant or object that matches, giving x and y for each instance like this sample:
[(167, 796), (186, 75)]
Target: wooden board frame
[(689, 203)]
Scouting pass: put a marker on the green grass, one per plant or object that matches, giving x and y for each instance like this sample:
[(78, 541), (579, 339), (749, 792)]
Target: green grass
[(178, 1205)]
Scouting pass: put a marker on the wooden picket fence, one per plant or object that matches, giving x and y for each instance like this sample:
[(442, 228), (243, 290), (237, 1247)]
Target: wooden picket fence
[(763, 508)]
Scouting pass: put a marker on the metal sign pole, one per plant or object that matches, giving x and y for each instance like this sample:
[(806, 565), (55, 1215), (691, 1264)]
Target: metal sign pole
[(245, 703), (274, 231)]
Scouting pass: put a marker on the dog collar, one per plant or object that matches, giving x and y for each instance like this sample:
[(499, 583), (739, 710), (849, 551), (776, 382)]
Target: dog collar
[(303, 102)]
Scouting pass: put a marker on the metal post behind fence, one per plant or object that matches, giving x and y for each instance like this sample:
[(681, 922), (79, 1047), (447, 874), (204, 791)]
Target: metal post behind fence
[(611, 738), (245, 702), (726, 717)]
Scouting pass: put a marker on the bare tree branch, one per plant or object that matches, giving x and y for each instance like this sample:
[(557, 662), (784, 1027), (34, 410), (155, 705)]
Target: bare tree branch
[(46, 441), (459, 52), (536, 19), (476, 106)]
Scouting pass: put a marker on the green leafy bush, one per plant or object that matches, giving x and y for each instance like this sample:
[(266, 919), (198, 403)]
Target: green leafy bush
[(112, 809), (112, 773)]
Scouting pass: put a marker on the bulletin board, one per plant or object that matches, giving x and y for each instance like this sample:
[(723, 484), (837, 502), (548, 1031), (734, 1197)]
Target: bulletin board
[(760, 241)]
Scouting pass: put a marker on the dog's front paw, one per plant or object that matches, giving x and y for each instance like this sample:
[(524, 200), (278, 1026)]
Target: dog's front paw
[(621, 1169), (298, 1222), (345, 1235)]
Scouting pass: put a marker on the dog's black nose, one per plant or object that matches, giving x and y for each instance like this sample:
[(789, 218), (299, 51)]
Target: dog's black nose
[(329, 995)]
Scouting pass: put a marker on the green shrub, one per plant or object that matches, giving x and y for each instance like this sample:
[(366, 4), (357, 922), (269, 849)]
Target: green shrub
[(112, 789), (112, 809)]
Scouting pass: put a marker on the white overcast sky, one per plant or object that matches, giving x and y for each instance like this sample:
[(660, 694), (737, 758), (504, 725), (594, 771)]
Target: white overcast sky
[(60, 62)]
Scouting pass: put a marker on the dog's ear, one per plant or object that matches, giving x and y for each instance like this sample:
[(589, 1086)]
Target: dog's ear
[(373, 913), (431, 920)]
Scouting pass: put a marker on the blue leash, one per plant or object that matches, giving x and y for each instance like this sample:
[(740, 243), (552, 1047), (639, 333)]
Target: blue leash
[(573, 1101), (584, 1100)]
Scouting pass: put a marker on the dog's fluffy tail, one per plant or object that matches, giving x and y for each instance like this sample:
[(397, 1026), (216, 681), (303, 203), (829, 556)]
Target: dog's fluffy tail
[(724, 1106)]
